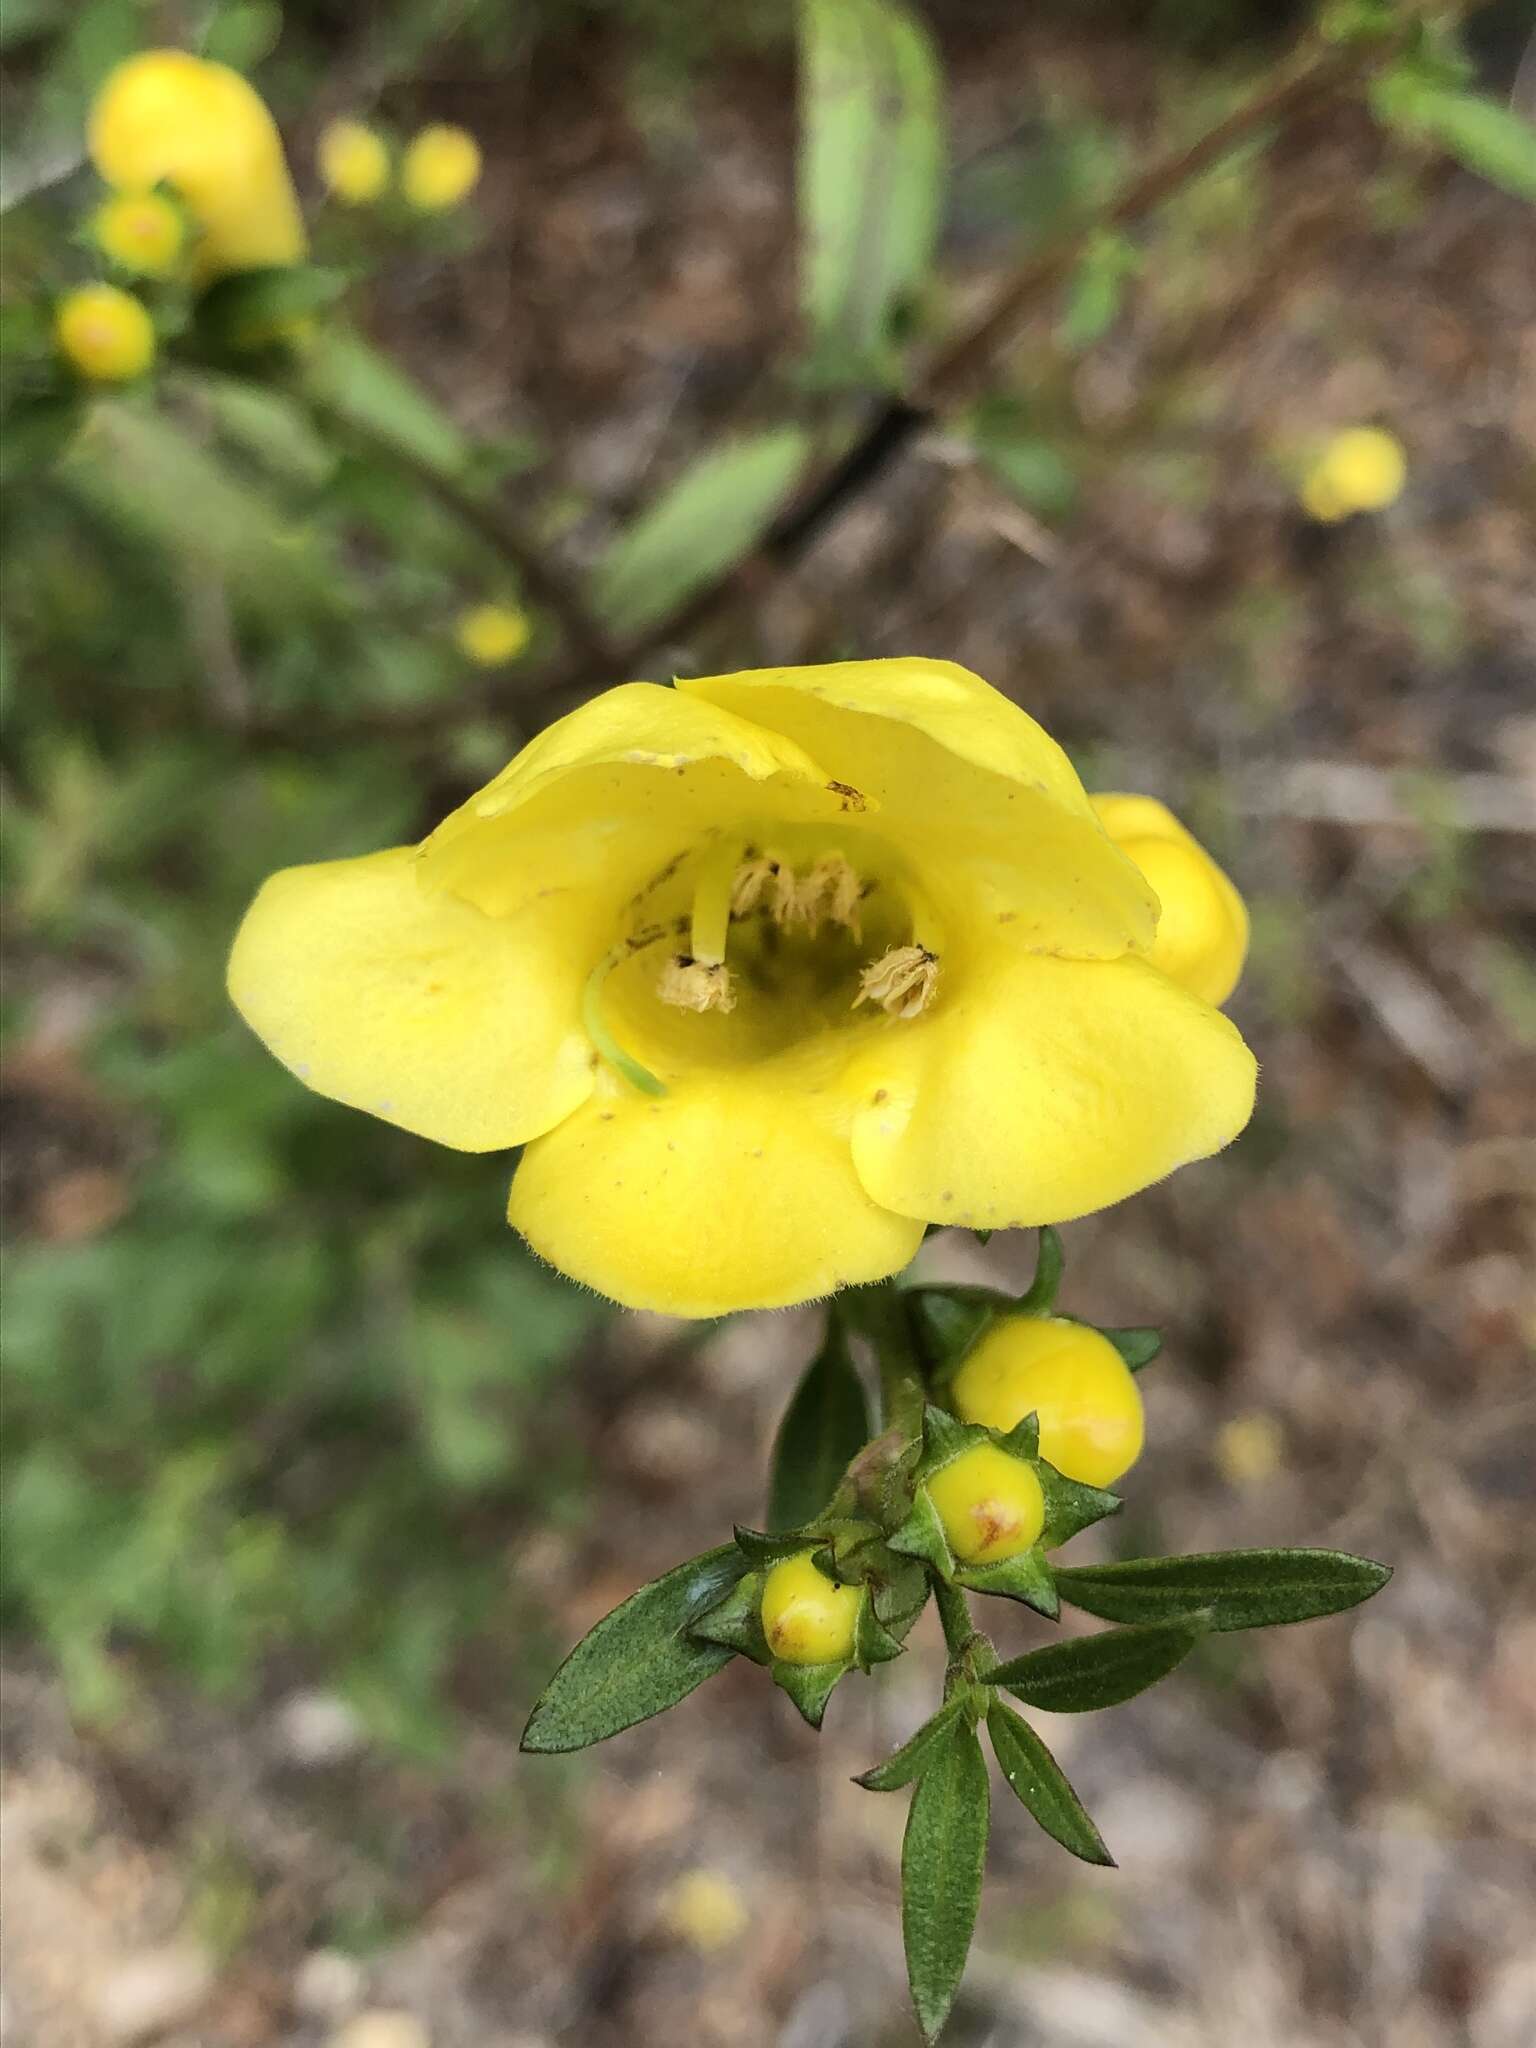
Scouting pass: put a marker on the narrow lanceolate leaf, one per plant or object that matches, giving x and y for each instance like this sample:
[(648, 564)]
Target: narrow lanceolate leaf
[(825, 1425), (1240, 1588), (1099, 1671), (637, 1661), (870, 171), (942, 1857), (715, 512), (1493, 140), (915, 1754), (1036, 1778)]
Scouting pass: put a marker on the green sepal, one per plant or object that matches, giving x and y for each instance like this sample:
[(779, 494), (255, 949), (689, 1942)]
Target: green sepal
[(1026, 1577), (943, 1854), (1023, 1440), (1038, 1782), (1070, 1506), (873, 1642), (922, 1536), (764, 1548), (1039, 1298), (810, 1686), (1138, 1346), (737, 1622), (944, 1438), (1090, 1672), (637, 1661), (1241, 1588), (950, 1320), (899, 1592), (917, 1752)]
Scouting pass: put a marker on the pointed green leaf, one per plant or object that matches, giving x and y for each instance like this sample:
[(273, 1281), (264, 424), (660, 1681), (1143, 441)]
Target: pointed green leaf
[(1040, 1297), (1241, 1588), (1036, 1778), (1138, 1347), (1493, 140), (915, 1754), (1089, 1672), (825, 1426), (1071, 1506), (942, 1859), (810, 1686), (763, 1548), (737, 1620), (638, 1660)]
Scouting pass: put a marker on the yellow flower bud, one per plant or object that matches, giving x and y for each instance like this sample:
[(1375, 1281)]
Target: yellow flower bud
[(1202, 926), (1249, 1449), (354, 162), (1086, 1396), (104, 333), (807, 1617), (990, 1504), (705, 1909), (1363, 469), (167, 117), (441, 168), (142, 232), (490, 634)]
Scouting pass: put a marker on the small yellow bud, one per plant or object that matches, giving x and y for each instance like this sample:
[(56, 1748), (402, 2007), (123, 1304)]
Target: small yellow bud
[(105, 334), (490, 634), (1363, 469), (441, 168), (1202, 925), (353, 161), (1086, 1396), (807, 1617), (990, 1504), (705, 1909), (141, 232), (1249, 1449)]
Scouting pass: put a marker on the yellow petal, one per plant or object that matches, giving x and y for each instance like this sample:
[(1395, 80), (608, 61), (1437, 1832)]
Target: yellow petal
[(965, 782), (1202, 933), (730, 1193), (399, 999), (1037, 1090)]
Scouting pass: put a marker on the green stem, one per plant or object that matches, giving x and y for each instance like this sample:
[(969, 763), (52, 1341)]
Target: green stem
[(955, 1614), (882, 1315)]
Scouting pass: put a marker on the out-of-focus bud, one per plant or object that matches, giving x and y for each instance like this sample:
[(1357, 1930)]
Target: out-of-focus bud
[(490, 634), (143, 233), (807, 1617), (105, 334), (705, 1909), (991, 1504), (1249, 1449), (1073, 1379), (1202, 928), (168, 117), (1363, 469), (353, 161), (440, 169)]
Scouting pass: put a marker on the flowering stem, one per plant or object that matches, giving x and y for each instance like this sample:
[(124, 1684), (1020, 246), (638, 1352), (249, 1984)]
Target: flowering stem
[(880, 1313), (955, 1614)]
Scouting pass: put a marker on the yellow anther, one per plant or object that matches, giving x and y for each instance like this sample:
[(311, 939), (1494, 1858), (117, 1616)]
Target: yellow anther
[(830, 891), (901, 981), (691, 984)]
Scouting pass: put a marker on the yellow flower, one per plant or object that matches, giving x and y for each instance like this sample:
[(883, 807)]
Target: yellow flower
[(1073, 1379), (441, 168), (142, 232), (1202, 934), (1363, 469), (991, 1504), (104, 333), (766, 972), (492, 633), (705, 1909), (807, 1617), (354, 162), (1249, 1449), (167, 117)]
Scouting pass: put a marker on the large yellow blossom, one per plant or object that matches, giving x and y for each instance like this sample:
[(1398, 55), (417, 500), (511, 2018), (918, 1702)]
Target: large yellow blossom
[(766, 972), (168, 117)]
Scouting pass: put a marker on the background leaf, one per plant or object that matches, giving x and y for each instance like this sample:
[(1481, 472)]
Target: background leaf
[(638, 1660), (1241, 1588), (1036, 1778), (943, 1855), (1098, 1671), (715, 512), (825, 1425), (870, 173), (1493, 140)]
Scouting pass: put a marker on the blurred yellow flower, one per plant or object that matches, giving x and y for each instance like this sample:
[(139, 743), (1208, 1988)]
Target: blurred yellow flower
[(1249, 1449), (105, 334), (1202, 934), (766, 972), (705, 1909), (143, 233), (491, 634), (1363, 469), (1072, 1378), (441, 168), (354, 162), (167, 117)]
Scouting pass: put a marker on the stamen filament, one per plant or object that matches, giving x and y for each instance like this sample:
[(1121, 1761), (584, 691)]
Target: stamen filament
[(711, 921)]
